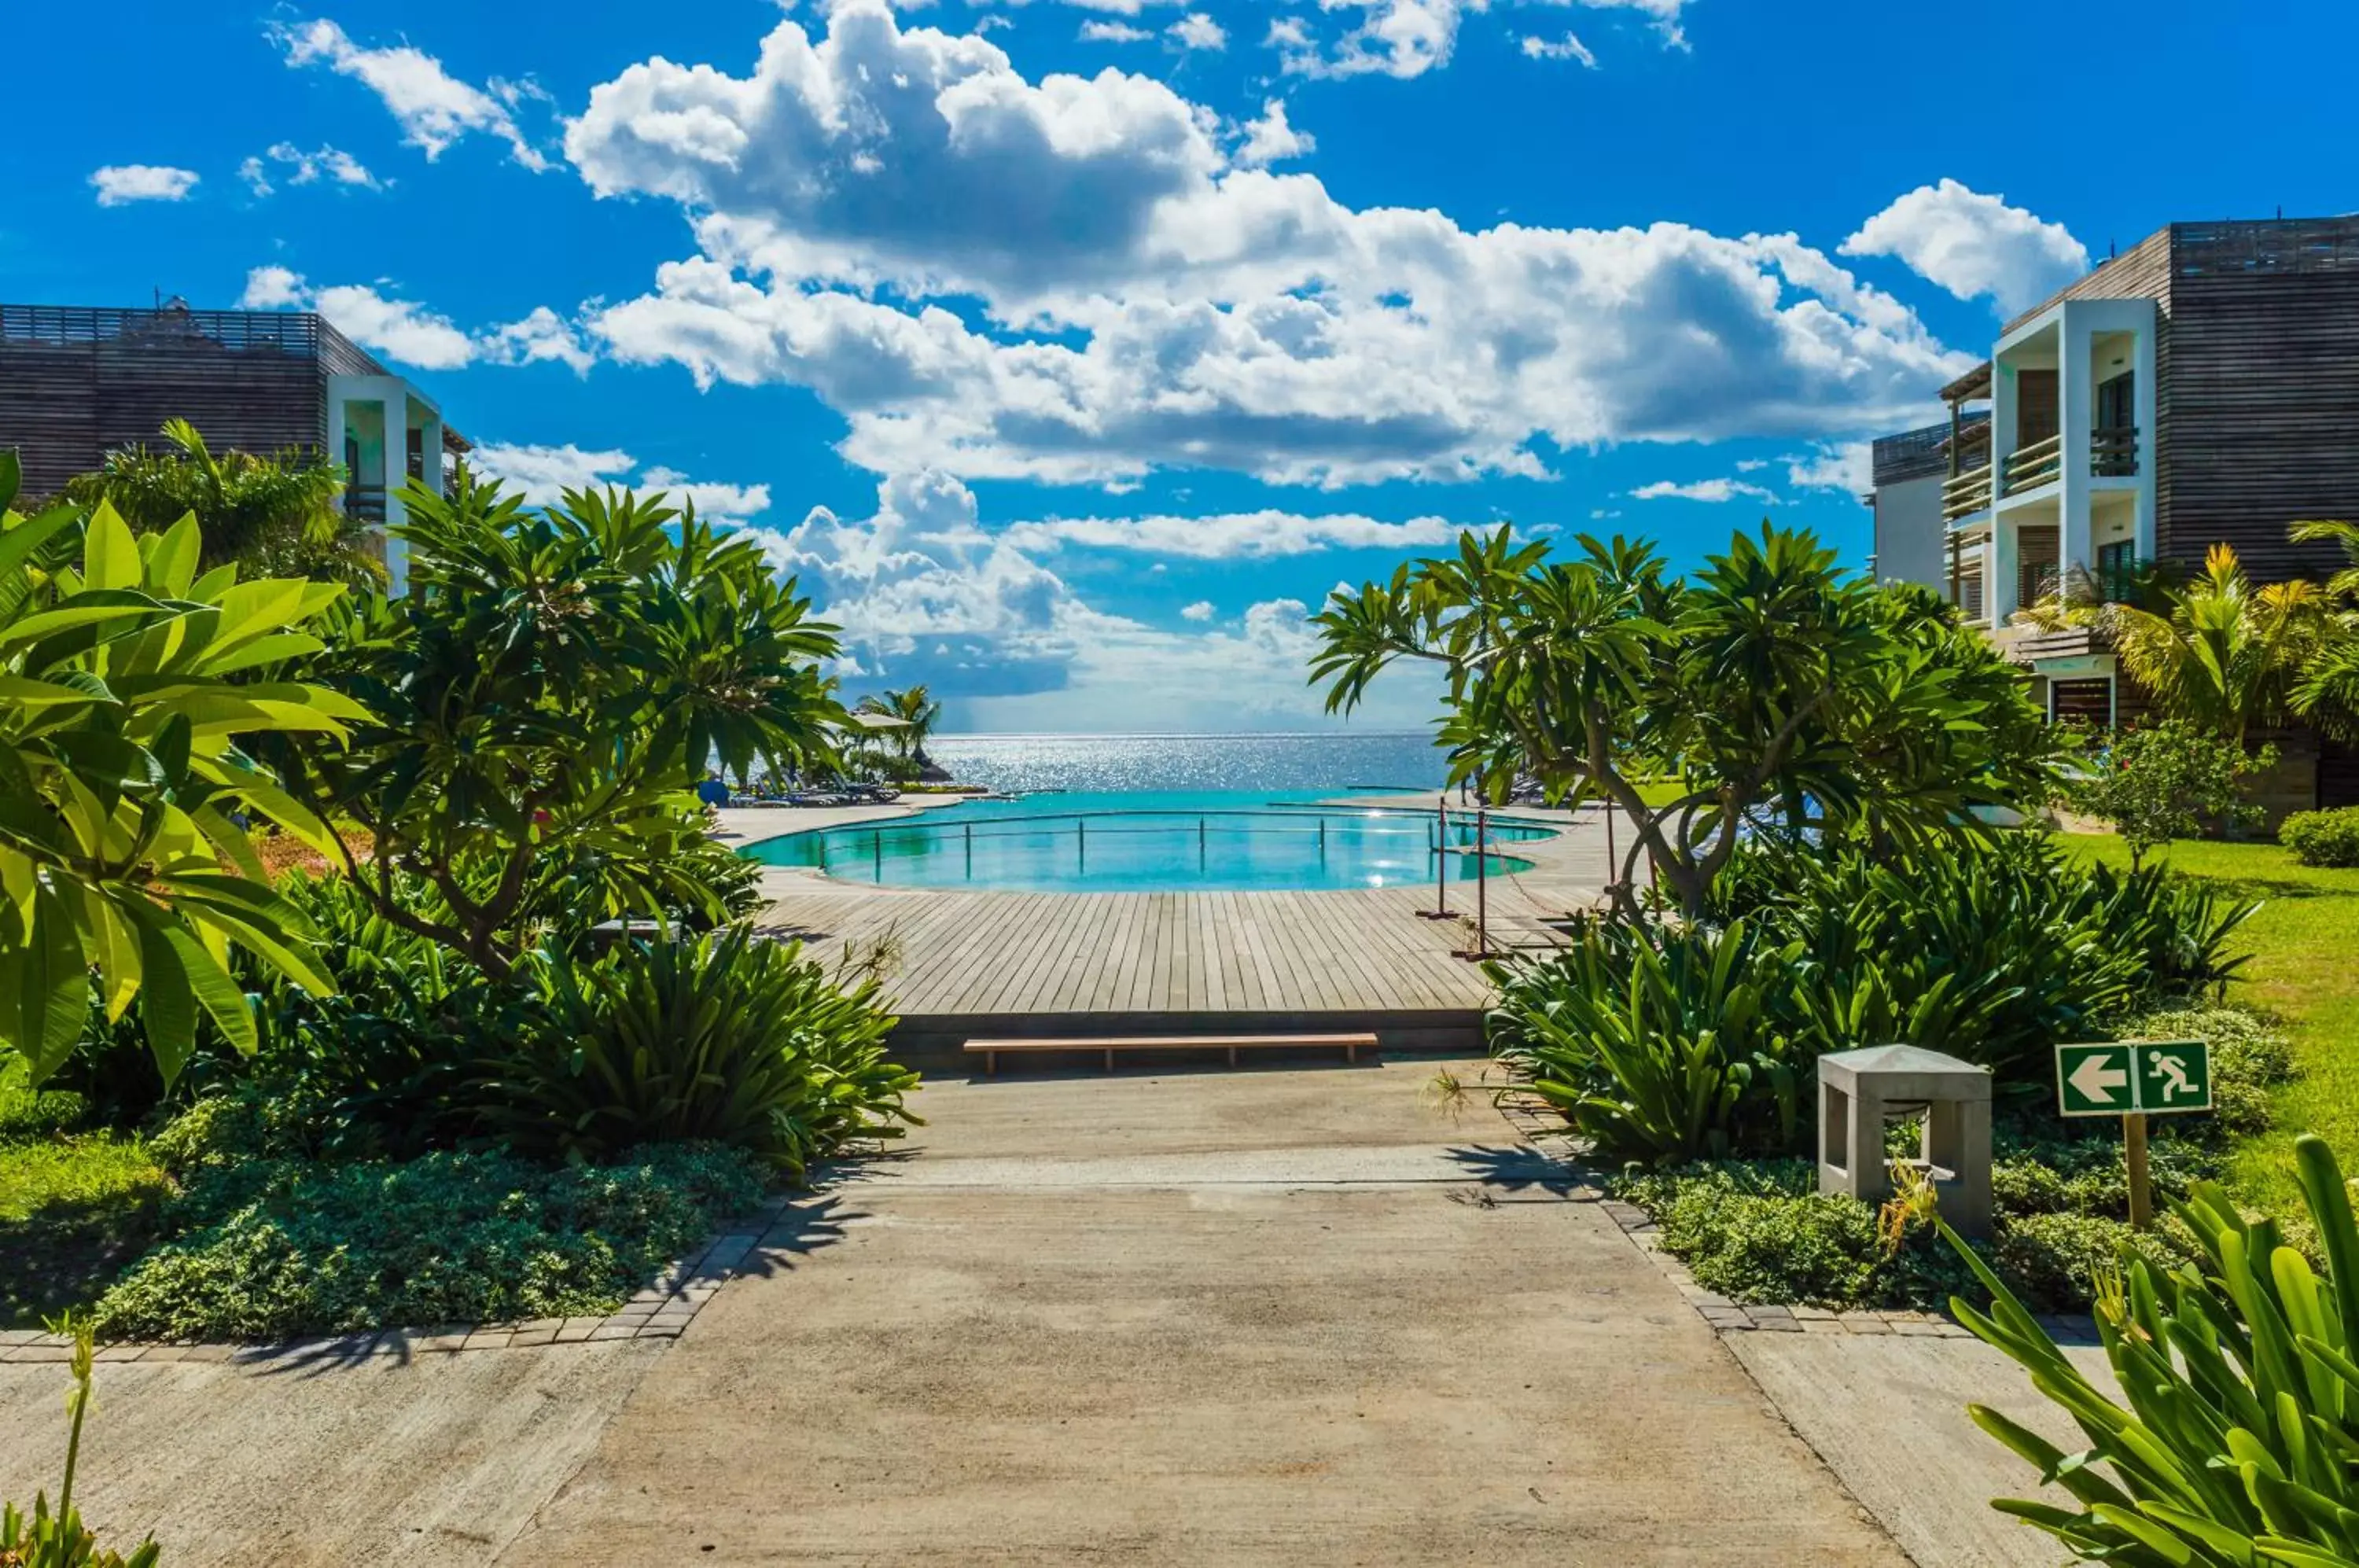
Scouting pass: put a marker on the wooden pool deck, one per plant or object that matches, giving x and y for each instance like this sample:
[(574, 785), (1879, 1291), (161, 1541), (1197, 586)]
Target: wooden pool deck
[(962, 962)]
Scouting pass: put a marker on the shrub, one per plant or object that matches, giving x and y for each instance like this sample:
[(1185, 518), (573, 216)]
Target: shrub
[(2230, 1442), (1668, 1042), (379, 1070), (2053, 1261), (268, 1248), (731, 1038), (2169, 780), (1656, 1041), (2322, 838)]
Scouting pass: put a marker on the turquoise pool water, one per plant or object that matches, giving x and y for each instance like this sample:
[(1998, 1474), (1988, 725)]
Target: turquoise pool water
[(1214, 841)]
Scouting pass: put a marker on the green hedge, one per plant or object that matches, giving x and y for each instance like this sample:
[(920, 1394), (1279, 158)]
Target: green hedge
[(2322, 838), (271, 1249)]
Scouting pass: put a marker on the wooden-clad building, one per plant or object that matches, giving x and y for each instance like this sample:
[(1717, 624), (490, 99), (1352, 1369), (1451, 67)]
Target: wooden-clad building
[(79, 381), (2200, 387)]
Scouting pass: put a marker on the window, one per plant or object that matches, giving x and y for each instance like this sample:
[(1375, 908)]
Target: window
[(2087, 703), (2116, 570)]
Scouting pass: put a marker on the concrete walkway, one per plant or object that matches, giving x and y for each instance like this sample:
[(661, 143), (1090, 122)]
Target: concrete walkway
[(1295, 1315), (1289, 1316)]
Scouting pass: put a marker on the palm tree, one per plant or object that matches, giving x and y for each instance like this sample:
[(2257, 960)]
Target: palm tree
[(917, 712), (2328, 692), (2226, 655), (276, 516)]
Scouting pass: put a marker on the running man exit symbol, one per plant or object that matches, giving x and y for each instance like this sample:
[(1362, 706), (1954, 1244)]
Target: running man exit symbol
[(2119, 1078), (2173, 1076)]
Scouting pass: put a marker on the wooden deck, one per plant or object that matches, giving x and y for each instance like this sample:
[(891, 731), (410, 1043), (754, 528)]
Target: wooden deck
[(967, 962)]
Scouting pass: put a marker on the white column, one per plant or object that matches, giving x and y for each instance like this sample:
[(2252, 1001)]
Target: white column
[(430, 443), (2075, 360), (1999, 587), (2146, 405), (396, 472)]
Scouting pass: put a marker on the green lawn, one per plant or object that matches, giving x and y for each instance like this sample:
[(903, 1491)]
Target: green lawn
[(2305, 967), (74, 1208)]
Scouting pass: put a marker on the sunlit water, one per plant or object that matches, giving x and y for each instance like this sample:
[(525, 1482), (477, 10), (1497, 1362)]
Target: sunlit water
[(1329, 763), (1197, 840)]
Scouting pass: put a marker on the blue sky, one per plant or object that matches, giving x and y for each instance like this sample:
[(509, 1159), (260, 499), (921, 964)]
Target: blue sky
[(1067, 350)]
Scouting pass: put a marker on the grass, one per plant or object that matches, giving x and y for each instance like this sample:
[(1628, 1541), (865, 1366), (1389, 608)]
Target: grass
[(73, 1211), (2304, 943)]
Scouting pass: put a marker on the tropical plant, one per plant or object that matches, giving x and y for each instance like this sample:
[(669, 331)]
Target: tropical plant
[(2322, 838), (127, 692), (267, 1248), (2216, 651), (549, 692), (2232, 1440), (1779, 692), (730, 1039), (44, 1540), (917, 713), (1669, 1040), (2168, 780), (274, 515), (1660, 1044)]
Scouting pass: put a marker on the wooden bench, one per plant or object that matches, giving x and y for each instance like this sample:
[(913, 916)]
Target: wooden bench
[(992, 1049)]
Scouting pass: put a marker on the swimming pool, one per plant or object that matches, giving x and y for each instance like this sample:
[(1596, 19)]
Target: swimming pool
[(1199, 841)]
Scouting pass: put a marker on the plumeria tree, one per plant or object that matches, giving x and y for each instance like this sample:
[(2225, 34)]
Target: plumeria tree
[(129, 705), (1776, 692), (546, 696)]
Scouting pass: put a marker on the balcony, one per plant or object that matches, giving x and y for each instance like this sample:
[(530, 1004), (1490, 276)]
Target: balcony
[(2028, 468), (1965, 493), (366, 504), (2114, 453)]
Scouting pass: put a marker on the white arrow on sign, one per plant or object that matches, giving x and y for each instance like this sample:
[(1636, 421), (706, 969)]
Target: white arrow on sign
[(2096, 1081)]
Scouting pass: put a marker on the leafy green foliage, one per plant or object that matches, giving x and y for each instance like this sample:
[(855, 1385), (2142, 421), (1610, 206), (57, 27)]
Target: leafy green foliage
[(44, 1540), (731, 1038), (1762, 1231), (1658, 1043), (2322, 838), (1781, 693), (275, 517), (2239, 1410), (269, 1248), (73, 1211), (127, 687), (1667, 1042), (2169, 780), (548, 692)]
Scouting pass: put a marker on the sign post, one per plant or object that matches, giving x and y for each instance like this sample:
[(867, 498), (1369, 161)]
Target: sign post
[(2134, 1079)]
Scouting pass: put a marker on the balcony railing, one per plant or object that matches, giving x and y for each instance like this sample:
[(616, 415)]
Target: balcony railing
[(364, 504), (1965, 493), (2114, 453), (2038, 464)]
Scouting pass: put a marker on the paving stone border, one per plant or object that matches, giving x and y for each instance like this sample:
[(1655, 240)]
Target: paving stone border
[(1544, 1130), (667, 1304)]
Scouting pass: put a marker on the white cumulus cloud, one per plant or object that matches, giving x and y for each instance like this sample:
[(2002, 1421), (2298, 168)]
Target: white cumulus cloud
[(412, 333), (1272, 138), (1972, 244), (543, 473), (1233, 536), (1149, 301), (119, 183), (434, 108), (286, 161), (1713, 490), (1202, 610), (1566, 47)]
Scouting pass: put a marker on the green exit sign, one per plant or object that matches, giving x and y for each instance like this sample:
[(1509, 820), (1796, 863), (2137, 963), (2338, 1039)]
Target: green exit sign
[(2130, 1077)]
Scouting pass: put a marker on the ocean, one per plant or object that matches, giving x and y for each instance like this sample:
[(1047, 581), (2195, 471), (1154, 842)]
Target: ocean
[(1120, 763)]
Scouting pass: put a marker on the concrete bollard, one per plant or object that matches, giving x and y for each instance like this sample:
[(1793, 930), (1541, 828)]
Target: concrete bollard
[(1861, 1092)]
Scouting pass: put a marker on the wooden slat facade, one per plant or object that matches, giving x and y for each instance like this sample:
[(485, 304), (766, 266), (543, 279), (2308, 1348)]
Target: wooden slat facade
[(2256, 392), (77, 383)]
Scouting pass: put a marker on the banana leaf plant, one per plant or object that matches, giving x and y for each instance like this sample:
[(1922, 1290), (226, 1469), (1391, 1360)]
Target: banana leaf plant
[(2236, 1438), (125, 689)]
